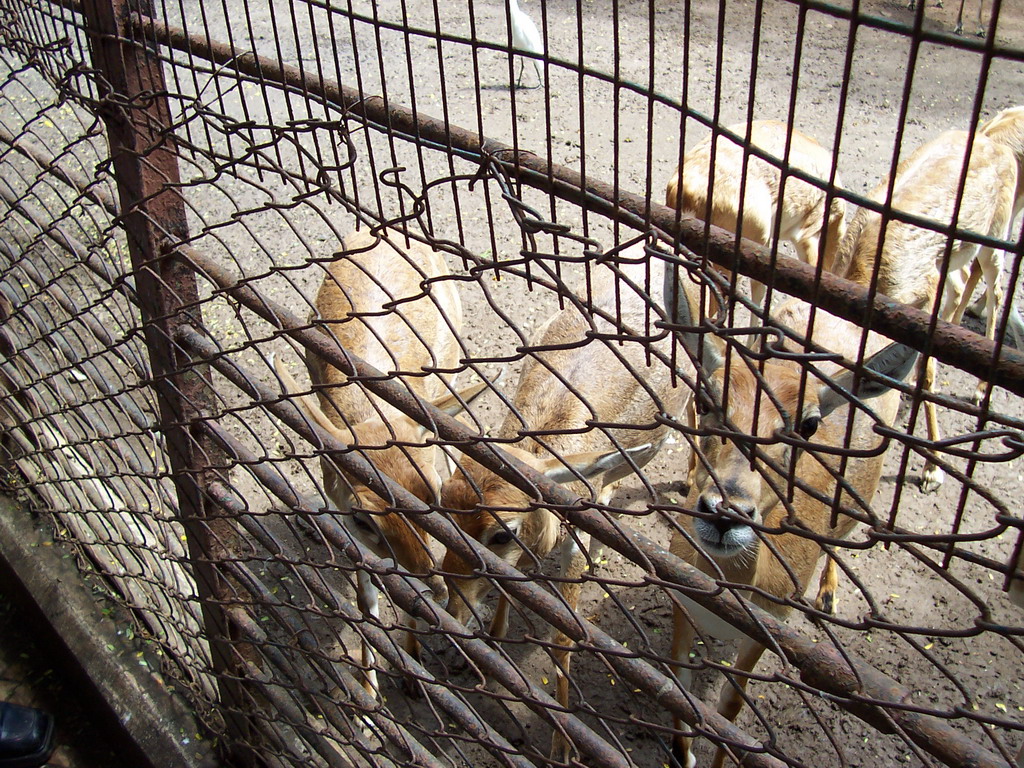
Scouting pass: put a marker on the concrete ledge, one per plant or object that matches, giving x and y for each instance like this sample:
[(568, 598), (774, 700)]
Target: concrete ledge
[(158, 723)]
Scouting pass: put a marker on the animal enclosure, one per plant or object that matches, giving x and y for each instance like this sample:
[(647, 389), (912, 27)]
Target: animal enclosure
[(411, 496)]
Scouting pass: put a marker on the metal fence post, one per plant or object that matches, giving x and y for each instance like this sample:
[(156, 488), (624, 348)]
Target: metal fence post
[(134, 106)]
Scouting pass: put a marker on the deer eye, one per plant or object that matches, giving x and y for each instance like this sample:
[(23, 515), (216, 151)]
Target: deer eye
[(363, 523), (809, 426), (501, 538)]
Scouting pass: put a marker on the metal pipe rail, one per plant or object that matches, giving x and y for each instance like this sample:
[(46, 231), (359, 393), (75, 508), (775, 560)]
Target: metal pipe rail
[(153, 204), (375, 637)]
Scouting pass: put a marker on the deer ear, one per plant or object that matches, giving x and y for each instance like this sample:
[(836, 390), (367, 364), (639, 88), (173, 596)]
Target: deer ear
[(307, 403), (894, 361), (588, 465), (702, 346), (455, 403)]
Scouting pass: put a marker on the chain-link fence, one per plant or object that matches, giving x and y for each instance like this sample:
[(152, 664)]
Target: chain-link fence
[(432, 492)]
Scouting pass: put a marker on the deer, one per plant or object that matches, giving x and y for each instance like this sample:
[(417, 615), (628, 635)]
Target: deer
[(748, 205), (1006, 128), (741, 530), (392, 307), (578, 380), (908, 263)]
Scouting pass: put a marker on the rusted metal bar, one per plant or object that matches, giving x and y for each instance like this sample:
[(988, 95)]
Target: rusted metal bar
[(949, 343), (102, 334), (817, 662), (397, 586), (76, 248), (554, 611), (47, 163), (289, 715), (850, 682), (479, 730), (369, 707), (144, 153)]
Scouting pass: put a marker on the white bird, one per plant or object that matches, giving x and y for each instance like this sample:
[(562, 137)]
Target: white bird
[(525, 37)]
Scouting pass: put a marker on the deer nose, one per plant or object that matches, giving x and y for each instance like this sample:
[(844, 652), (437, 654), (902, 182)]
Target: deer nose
[(712, 508), (708, 507)]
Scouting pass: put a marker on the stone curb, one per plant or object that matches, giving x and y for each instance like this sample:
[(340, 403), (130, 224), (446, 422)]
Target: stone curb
[(155, 720)]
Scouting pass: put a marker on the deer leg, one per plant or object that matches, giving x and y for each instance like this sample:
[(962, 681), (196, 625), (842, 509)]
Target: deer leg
[(682, 642), (758, 292), (691, 422), (368, 601), (574, 563), (807, 245), (992, 268), (964, 305), (1016, 325), (982, 308), (499, 622), (827, 585), (731, 701), (933, 475), (412, 647)]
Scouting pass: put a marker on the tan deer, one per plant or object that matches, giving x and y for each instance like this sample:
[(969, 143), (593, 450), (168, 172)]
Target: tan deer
[(1006, 128), (390, 307), (905, 261), (804, 215), (577, 381), (736, 491)]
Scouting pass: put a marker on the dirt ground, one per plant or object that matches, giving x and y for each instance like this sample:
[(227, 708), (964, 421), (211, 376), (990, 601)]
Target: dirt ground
[(943, 629)]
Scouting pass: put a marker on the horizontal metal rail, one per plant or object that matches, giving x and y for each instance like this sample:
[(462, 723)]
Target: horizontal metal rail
[(377, 638)]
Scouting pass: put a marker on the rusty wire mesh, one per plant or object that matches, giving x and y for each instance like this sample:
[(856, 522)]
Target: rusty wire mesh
[(143, 414)]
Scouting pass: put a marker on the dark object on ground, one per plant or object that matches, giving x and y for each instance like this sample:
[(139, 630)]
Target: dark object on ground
[(26, 736)]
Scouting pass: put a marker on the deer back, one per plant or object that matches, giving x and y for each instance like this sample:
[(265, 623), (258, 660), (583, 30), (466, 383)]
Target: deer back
[(386, 304), (803, 204), (570, 380), (927, 185), (574, 378), (374, 300), (1007, 129)]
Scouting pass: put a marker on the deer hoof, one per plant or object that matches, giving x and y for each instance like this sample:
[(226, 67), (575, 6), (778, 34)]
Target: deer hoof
[(826, 602), (931, 478)]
